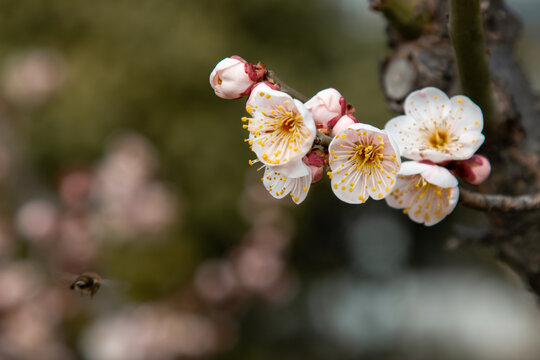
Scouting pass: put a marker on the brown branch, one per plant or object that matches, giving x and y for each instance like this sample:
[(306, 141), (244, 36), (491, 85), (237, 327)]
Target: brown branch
[(501, 203)]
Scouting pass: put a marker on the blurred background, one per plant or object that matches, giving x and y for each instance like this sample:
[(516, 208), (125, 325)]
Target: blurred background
[(117, 157)]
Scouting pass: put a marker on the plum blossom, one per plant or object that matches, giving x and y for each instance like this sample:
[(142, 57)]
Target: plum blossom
[(436, 128), (296, 183), (281, 128), (233, 78), (364, 162), (427, 193)]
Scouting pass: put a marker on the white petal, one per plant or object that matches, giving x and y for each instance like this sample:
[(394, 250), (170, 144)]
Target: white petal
[(469, 143), (439, 176), (379, 185), (300, 188), (435, 155), (293, 169), (424, 204), (466, 115), (412, 168), (361, 126), (308, 119), (264, 97), (341, 186), (450, 206), (427, 105), (398, 198), (394, 144), (400, 129), (277, 184)]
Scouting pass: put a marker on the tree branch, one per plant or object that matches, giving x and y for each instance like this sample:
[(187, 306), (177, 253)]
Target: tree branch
[(501, 203), (286, 88), (465, 28), (406, 16), (323, 140)]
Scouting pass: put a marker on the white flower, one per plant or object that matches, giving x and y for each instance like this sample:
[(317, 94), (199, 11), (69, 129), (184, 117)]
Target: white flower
[(364, 162), (296, 183), (281, 128), (426, 192), (437, 128)]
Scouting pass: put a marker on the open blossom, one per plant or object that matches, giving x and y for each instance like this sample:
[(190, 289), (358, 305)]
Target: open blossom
[(326, 106), (426, 192), (364, 162), (280, 185), (281, 129), (437, 128), (232, 78)]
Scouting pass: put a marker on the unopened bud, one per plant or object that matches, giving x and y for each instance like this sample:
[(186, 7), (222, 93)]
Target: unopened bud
[(232, 78), (325, 106), (343, 122), (315, 161), (474, 170)]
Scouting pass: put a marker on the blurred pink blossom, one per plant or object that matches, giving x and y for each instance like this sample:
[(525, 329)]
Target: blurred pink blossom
[(149, 332), (30, 78), (37, 220)]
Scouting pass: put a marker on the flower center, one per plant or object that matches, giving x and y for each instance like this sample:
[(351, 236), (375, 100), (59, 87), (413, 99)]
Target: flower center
[(287, 124), (366, 155), (439, 139)]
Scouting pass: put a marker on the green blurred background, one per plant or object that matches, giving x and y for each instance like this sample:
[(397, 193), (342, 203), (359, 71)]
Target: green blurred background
[(238, 274)]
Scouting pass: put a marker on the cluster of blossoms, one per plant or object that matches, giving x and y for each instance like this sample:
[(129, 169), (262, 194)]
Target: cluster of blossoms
[(440, 136)]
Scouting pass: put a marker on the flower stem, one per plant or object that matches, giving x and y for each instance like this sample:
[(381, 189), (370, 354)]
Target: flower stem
[(465, 27)]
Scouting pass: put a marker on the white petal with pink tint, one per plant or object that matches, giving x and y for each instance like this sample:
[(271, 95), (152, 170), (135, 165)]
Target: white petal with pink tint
[(427, 193), (281, 128), (436, 128), (364, 163), (280, 185), (427, 105)]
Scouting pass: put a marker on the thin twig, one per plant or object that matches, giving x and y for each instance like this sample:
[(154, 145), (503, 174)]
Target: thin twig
[(286, 88), (323, 140), (467, 36), (501, 203)]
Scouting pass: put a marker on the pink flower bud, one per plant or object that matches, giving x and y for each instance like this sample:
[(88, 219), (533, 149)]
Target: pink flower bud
[(316, 173), (474, 170), (343, 123), (325, 106), (232, 78), (315, 161)]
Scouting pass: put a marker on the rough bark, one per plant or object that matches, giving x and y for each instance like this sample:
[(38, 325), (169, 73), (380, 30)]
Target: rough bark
[(512, 142)]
